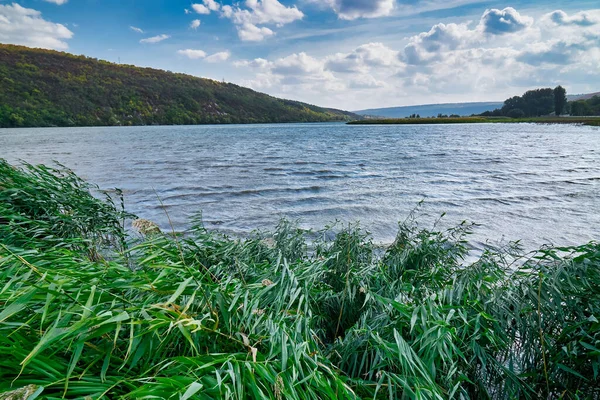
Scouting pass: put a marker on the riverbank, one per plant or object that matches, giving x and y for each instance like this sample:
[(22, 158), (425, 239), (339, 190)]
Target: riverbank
[(590, 121), (91, 310)]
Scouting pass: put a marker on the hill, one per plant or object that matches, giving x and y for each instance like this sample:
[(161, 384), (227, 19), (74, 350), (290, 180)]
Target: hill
[(586, 96), (462, 109), (49, 88), (432, 110)]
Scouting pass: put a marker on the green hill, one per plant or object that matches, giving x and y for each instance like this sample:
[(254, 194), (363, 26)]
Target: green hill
[(49, 88)]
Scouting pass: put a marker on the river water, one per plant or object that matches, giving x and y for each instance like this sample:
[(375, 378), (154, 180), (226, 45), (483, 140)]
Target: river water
[(535, 183)]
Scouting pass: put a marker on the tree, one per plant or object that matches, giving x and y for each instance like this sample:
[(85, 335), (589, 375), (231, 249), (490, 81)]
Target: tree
[(560, 100), (580, 108), (516, 113), (512, 103)]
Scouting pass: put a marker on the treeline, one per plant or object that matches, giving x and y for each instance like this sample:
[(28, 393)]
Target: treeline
[(587, 107), (544, 102), (533, 103), (49, 88)]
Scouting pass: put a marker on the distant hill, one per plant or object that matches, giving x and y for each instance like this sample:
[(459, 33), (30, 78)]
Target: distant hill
[(49, 88), (587, 96), (432, 110)]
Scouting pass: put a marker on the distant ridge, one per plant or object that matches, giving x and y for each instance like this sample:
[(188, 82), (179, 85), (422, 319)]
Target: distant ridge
[(587, 96), (432, 110)]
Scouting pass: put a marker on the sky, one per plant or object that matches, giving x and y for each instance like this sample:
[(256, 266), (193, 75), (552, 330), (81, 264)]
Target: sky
[(348, 54)]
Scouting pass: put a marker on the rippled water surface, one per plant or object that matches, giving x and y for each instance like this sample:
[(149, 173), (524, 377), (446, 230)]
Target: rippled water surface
[(538, 183)]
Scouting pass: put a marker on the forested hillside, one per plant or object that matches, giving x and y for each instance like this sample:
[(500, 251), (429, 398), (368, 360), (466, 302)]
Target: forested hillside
[(49, 88)]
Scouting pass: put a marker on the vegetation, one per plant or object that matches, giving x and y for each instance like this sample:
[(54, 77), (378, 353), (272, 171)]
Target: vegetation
[(560, 100), (89, 309), (48, 88), (544, 102), (423, 121), (480, 120), (534, 103), (585, 107)]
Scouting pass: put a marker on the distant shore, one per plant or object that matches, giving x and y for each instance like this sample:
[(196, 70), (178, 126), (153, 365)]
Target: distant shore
[(590, 121)]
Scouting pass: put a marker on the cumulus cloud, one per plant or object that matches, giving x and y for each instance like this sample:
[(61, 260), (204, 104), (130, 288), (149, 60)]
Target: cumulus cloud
[(252, 33), (363, 58), (195, 24), (138, 30), (499, 22), (365, 82), (561, 51), (297, 64), (501, 54), (218, 57), (200, 9), (257, 63), (583, 18), (353, 9), (57, 2), (212, 5), (155, 39), (429, 47), (364, 68), (192, 54), (260, 12), (201, 55), (25, 26)]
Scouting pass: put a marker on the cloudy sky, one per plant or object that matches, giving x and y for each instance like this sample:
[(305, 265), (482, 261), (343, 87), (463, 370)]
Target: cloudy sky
[(350, 54)]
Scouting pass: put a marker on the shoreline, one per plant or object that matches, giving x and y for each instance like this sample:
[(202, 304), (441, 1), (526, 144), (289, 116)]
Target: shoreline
[(587, 121)]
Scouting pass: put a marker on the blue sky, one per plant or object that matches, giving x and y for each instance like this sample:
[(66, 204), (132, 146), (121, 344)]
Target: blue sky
[(349, 54)]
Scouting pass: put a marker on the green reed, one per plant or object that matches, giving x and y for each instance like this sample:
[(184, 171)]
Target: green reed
[(88, 309)]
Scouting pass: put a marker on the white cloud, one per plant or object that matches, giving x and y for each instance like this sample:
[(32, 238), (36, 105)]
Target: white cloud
[(428, 47), (257, 63), (260, 12), (297, 64), (218, 57), (195, 24), (252, 33), (500, 55), (365, 82), (212, 5), (201, 55), (155, 39), (499, 22), (138, 30), (353, 9), (192, 54), (25, 26), (582, 18), (57, 2), (200, 9), (363, 58)]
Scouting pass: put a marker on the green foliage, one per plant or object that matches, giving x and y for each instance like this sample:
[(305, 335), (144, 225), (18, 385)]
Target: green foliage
[(277, 317), (560, 100), (586, 107), (516, 113), (424, 121), (591, 121), (48, 88), (533, 103)]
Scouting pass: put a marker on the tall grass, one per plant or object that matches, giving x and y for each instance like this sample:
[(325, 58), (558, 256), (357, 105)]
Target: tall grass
[(88, 310)]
